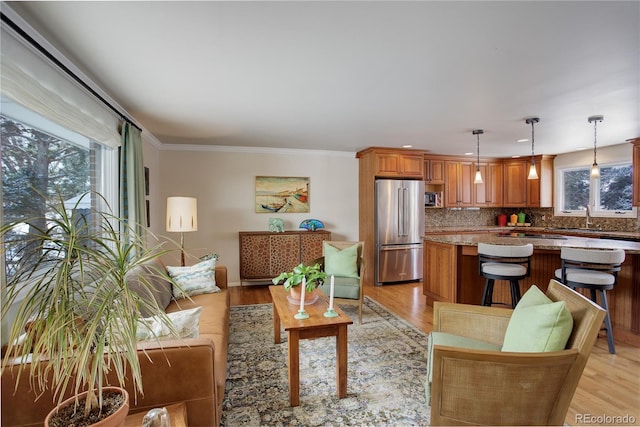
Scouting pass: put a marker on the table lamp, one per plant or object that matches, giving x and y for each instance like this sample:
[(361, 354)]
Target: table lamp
[(182, 216)]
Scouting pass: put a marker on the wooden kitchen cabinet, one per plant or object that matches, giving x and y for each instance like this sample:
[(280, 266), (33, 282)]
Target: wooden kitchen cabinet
[(489, 193), (395, 163), (636, 171), (440, 272), (458, 177), (264, 255), (519, 191), (433, 171)]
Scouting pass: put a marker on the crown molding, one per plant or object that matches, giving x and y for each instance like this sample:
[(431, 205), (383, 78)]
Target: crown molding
[(255, 150)]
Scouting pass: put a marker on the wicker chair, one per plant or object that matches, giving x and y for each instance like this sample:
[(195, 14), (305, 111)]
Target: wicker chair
[(485, 387), (347, 290)]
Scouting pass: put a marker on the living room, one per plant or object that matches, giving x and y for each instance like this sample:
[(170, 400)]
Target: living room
[(220, 170)]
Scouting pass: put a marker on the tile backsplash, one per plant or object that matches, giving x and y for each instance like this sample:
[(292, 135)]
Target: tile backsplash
[(538, 217)]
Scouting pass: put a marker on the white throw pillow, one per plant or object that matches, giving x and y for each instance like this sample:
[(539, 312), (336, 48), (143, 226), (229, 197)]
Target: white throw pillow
[(185, 322), (195, 279)]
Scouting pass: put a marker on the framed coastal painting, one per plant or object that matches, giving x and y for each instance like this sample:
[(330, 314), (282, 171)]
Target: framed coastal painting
[(282, 194)]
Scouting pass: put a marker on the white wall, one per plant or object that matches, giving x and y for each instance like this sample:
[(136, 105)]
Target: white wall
[(223, 181)]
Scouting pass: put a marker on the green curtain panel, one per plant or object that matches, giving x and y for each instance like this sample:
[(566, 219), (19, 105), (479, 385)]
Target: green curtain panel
[(132, 196)]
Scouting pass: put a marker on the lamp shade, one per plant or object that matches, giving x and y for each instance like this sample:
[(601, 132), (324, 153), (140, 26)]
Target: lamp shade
[(182, 214)]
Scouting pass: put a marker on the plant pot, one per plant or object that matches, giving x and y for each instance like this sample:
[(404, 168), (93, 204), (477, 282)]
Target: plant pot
[(309, 297), (116, 419)]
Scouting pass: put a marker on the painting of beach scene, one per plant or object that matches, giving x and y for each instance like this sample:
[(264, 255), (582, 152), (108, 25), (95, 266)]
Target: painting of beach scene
[(279, 194)]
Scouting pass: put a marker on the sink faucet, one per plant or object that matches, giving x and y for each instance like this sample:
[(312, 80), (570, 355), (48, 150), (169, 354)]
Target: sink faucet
[(588, 215)]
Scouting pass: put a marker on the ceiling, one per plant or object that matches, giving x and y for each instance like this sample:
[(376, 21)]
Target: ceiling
[(342, 76)]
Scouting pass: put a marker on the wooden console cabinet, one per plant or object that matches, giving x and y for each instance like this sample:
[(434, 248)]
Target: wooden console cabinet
[(264, 255)]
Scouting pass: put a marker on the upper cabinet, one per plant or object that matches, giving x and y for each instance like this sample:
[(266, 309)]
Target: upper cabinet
[(489, 193), (433, 171), (636, 171), (519, 191), (396, 163), (458, 176)]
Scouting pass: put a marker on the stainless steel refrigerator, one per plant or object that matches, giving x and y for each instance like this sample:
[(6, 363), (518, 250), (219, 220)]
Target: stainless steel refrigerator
[(399, 226)]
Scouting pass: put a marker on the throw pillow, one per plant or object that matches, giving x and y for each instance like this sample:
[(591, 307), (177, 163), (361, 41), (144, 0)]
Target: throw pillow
[(186, 324), (538, 324), (341, 263), (194, 280), (149, 281)]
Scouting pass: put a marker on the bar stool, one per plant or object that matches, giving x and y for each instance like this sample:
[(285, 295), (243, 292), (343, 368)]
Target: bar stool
[(503, 262), (593, 269)]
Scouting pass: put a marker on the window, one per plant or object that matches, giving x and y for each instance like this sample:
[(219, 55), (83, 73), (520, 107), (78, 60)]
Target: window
[(40, 157), (608, 196)]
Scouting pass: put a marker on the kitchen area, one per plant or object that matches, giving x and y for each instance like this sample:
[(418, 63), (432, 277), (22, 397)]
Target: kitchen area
[(459, 214)]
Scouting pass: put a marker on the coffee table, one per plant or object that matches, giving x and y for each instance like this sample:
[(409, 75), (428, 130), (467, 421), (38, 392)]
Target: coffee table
[(315, 326)]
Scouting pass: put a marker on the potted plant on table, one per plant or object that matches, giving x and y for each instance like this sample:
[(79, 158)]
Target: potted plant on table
[(313, 276), (74, 318)]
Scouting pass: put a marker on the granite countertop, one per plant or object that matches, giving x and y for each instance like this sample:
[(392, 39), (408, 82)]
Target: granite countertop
[(555, 230), (504, 236)]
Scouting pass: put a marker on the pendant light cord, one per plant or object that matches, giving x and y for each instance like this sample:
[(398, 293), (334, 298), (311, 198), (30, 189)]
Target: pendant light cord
[(595, 139), (533, 139)]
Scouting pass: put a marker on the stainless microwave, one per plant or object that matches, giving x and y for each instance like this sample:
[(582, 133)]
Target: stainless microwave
[(431, 198)]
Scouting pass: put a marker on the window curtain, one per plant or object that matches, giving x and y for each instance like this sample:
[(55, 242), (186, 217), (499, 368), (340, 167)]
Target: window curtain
[(132, 196)]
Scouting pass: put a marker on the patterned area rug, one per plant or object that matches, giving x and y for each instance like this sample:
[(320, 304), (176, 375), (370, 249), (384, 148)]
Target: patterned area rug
[(386, 373)]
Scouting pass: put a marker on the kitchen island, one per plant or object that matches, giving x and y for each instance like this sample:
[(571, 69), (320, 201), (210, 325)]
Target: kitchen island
[(451, 271)]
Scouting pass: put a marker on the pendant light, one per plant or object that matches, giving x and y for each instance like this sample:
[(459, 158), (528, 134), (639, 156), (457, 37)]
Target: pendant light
[(478, 178), (533, 174), (595, 169)]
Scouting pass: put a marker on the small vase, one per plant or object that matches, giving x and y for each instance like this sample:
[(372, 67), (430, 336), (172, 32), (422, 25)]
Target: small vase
[(309, 297)]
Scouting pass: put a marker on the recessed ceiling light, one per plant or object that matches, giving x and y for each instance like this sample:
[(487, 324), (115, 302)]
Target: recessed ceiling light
[(407, 146), (522, 140), (515, 157), (581, 148), (468, 154)]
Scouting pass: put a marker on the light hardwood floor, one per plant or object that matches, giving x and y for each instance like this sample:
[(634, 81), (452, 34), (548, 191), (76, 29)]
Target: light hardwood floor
[(610, 384)]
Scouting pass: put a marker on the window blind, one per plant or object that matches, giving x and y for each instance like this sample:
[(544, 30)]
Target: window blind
[(33, 81)]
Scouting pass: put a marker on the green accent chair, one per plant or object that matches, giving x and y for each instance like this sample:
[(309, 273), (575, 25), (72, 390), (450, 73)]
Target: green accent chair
[(344, 260)]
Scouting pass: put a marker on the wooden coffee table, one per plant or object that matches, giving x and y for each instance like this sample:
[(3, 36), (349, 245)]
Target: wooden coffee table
[(315, 326)]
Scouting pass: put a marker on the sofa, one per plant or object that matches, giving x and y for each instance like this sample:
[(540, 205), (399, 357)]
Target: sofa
[(190, 370)]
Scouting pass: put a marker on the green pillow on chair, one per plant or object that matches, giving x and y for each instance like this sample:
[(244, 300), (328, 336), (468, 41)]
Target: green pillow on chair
[(341, 263), (538, 324)]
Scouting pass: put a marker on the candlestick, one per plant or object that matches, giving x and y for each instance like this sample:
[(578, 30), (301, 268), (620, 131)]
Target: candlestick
[(301, 313), (302, 292), (331, 294), (330, 311)]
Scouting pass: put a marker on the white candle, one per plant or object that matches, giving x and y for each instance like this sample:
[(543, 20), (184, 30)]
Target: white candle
[(331, 294), (304, 286)]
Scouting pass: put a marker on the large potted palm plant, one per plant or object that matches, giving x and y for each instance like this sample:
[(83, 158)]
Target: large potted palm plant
[(73, 316)]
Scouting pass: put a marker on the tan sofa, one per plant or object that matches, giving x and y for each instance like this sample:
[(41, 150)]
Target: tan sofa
[(191, 370)]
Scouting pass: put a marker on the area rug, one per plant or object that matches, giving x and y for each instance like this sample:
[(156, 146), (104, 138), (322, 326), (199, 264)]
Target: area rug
[(386, 373)]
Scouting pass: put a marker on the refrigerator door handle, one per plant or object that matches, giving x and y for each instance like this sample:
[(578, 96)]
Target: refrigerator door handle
[(405, 211), (400, 207)]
